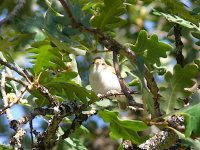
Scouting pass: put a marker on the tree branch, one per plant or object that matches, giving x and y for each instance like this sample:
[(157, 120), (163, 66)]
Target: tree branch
[(14, 12), (179, 45), (14, 68), (4, 95), (43, 90), (47, 139), (161, 141), (120, 79)]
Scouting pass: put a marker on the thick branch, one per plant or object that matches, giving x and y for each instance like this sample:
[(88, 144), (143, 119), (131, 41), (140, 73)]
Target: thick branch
[(161, 141), (43, 90), (47, 140)]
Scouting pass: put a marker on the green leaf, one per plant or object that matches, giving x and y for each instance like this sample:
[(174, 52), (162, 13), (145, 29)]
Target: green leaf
[(197, 62), (39, 99), (126, 129), (64, 76), (150, 49), (45, 56), (5, 147), (192, 120), (148, 101), (49, 4), (196, 34), (104, 103), (92, 4), (6, 43), (120, 147), (75, 143), (80, 131), (71, 91), (178, 20), (174, 92), (70, 46), (194, 143), (176, 7), (108, 16)]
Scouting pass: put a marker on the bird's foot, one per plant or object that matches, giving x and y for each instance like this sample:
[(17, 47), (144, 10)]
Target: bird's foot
[(112, 92)]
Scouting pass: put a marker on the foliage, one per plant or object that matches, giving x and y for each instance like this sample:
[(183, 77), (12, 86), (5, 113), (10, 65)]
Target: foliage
[(108, 15), (175, 91), (150, 49), (52, 49), (45, 56), (126, 129), (192, 120)]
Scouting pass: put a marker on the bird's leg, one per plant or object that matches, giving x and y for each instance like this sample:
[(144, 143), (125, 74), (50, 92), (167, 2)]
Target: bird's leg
[(112, 92)]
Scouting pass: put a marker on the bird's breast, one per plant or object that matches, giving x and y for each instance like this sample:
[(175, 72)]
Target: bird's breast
[(104, 81)]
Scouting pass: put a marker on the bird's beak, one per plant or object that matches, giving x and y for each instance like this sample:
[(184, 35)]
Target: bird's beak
[(97, 65)]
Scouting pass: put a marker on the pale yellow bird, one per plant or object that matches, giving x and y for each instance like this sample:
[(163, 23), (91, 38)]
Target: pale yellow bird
[(103, 79)]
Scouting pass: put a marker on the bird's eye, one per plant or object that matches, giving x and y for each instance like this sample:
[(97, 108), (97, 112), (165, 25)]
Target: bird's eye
[(93, 63), (103, 64)]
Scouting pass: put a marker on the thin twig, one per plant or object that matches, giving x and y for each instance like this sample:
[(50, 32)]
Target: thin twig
[(9, 73), (4, 95), (137, 106), (13, 102), (16, 80), (120, 79), (14, 12), (12, 67), (107, 95), (31, 130), (43, 90)]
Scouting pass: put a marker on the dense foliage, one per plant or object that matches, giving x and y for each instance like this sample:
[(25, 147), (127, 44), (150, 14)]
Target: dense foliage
[(46, 48)]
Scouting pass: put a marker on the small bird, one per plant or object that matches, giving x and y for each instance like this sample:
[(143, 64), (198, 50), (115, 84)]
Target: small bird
[(103, 80)]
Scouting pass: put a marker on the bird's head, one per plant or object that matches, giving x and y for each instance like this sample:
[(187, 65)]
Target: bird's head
[(99, 64)]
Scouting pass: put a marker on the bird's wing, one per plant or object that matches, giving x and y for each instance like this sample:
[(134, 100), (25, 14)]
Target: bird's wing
[(111, 69)]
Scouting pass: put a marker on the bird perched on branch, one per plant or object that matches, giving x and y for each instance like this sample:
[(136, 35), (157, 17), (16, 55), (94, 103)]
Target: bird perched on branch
[(103, 80)]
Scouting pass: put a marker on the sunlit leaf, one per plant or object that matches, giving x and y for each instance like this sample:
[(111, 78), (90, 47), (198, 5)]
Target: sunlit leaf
[(71, 91), (74, 143), (174, 92), (178, 20), (192, 120), (176, 7), (126, 129), (108, 16), (45, 56), (150, 49)]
